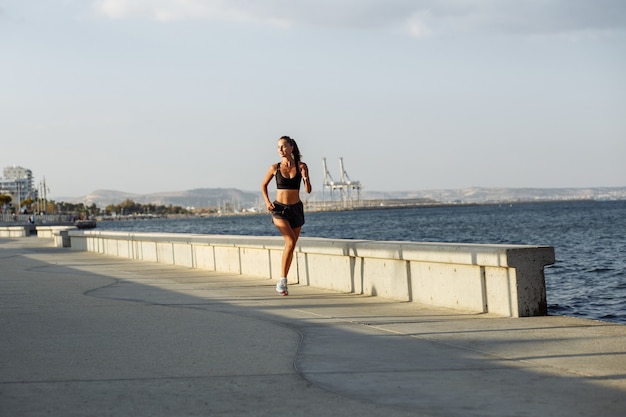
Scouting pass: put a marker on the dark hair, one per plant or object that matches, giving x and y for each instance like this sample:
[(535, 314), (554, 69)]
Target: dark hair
[(296, 151)]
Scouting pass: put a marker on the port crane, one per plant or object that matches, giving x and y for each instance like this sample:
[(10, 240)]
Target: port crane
[(349, 190)]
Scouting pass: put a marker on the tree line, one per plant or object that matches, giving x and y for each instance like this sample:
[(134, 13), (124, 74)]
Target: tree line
[(130, 207), (125, 208)]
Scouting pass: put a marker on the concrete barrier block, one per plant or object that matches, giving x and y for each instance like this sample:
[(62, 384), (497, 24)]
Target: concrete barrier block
[(528, 264), (109, 246), (79, 243), (501, 291), (95, 244), (255, 261), (147, 251), (47, 232), (448, 285), (386, 277), (227, 259), (165, 252), (58, 240), (276, 256), (335, 273), (300, 264), (183, 254), (204, 256), (14, 231), (61, 238), (65, 238), (125, 248)]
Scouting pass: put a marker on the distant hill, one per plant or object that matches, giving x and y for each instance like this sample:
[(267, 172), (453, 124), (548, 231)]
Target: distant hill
[(218, 197), (497, 195)]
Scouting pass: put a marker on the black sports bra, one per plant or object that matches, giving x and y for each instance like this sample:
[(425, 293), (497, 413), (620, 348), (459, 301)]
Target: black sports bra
[(283, 183)]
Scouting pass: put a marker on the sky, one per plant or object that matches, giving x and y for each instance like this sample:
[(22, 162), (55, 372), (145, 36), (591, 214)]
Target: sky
[(146, 96)]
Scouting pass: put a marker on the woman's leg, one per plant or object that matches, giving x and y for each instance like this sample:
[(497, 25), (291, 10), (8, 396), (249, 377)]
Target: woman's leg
[(291, 236)]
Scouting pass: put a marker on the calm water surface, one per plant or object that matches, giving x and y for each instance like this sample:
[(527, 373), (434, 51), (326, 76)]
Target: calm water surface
[(587, 280)]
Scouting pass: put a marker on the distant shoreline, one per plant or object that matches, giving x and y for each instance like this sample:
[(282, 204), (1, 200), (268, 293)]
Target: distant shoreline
[(232, 198), (400, 203), (311, 208)]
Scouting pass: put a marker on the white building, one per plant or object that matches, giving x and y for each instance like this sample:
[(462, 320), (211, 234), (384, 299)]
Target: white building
[(18, 183)]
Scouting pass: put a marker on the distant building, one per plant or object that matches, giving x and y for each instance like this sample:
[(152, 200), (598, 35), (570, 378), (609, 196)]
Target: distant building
[(18, 183)]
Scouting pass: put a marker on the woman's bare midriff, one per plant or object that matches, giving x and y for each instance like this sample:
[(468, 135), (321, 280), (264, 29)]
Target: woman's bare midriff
[(288, 196)]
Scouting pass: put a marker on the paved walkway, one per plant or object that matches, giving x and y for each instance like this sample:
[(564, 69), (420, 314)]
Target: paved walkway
[(83, 334)]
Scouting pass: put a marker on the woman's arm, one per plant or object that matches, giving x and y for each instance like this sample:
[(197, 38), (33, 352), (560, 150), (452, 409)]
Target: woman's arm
[(304, 170), (268, 178)]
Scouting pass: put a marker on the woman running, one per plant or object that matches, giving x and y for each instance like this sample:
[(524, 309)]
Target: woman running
[(287, 210)]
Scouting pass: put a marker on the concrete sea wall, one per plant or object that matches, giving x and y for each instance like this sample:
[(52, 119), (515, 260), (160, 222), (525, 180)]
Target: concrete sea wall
[(23, 230), (507, 280), (15, 231)]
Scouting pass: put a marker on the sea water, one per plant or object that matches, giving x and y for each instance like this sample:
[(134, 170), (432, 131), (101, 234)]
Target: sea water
[(588, 279)]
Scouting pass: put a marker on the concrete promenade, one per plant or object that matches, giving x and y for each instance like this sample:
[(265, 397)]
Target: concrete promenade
[(84, 334)]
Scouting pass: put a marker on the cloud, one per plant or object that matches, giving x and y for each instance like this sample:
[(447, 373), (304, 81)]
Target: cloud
[(176, 10), (416, 27), (351, 13), (419, 18)]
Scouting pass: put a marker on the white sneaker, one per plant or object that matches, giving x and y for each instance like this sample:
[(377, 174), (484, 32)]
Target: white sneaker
[(281, 287)]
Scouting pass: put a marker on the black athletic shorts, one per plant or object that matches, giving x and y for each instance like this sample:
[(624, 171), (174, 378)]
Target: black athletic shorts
[(293, 213)]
